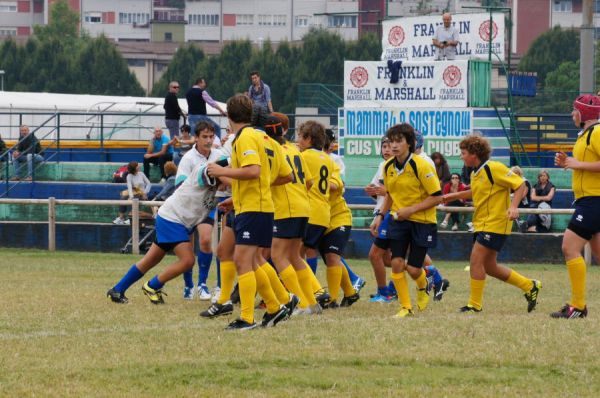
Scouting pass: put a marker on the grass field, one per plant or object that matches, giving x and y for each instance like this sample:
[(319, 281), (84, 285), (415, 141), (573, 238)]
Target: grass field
[(60, 336)]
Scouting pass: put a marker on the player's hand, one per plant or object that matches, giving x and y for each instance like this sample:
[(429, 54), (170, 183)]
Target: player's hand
[(147, 155), (374, 227), (445, 200), (560, 159), (512, 213), (370, 190), (226, 205), (214, 170), (403, 214)]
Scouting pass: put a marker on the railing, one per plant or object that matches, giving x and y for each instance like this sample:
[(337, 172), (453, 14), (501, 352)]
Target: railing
[(136, 203)]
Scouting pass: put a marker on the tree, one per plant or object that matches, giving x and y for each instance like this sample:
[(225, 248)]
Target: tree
[(63, 23), (182, 69), (549, 50)]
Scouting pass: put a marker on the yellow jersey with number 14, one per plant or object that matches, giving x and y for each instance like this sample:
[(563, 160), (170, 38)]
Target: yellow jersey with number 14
[(321, 167), (291, 199), (253, 195)]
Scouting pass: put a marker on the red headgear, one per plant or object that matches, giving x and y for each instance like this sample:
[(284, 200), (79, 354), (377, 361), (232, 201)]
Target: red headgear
[(588, 106)]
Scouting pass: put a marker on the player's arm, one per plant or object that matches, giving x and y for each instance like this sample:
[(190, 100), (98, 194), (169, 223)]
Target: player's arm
[(462, 195), (283, 180), (513, 210), (249, 172), (385, 208), (568, 162)]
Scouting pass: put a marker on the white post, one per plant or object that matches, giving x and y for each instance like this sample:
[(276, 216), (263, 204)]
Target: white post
[(587, 254), (135, 226), (52, 224)]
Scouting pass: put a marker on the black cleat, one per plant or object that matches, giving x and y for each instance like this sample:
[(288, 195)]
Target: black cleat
[(570, 312), (240, 324), (468, 308), (270, 320), (438, 290), (291, 305), (532, 295), (348, 301), (322, 298), (216, 310), (117, 297)]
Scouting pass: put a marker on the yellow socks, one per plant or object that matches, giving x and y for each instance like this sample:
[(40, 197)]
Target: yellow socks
[(280, 292), (347, 284), (401, 285), (334, 280), (316, 286), (305, 280), (577, 273), (247, 285), (263, 286), (519, 281), (421, 281), (291, 282), (228, 272), (476, 296)]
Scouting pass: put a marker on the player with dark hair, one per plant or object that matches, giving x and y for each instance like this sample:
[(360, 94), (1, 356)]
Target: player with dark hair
[(491, 186)]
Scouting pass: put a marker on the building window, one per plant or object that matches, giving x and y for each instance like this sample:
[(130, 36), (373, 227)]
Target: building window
[(136, 62), (127, 18), (244, 19), (93, 17), (563, 5), (8, 32), (302, 21), (279, 20), (8, 6), (265, 20), (168, 36), (341, 21), (203, 19)]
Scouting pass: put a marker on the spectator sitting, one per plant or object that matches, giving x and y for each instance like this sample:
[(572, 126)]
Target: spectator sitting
[(28, 149), (3, 157), (526, 201), (160, 151), (455, 185), (138, 186), (441, 167), (186, 142), (169, 187), (541, 197)]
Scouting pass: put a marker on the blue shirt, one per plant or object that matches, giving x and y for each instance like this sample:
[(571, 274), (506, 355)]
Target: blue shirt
[(262, 96), (157, 144)]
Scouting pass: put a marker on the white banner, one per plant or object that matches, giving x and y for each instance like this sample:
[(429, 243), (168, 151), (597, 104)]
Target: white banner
[(435, 84), (411, 38)]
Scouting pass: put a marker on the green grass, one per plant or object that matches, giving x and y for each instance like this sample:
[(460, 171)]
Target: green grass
[(60, 336)]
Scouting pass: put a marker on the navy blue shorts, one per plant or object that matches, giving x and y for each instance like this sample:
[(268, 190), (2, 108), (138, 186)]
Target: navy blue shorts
[(230, 219), (335, 241), (490, 240), (313, 235), (253, 228), (586, 219), (382, 241), (290, 228), (417, 237), (169, 234)]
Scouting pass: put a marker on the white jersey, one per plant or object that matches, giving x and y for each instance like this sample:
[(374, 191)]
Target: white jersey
[(425, 156), (377, 180), (226, 151), (193, 158), (340, 162), (191, 202)]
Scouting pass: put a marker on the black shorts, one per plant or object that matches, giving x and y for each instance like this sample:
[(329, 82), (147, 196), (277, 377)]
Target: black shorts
[(586, 219), (210, 217), (254, 229), (490, 240), (313, 235), (417, 237), (229, 219), (290, 228), (382, 243), (335, 241)]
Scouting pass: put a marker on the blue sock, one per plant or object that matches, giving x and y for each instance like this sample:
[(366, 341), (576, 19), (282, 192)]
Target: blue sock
[(204, 260), (437, 277), (131, 277), (155, 283), (353, 276), (312, 263), (391, 288), (187, 279), (218, 272), (382, 291)]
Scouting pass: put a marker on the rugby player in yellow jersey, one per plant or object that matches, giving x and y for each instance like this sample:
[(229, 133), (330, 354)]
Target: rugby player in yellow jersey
[(253, 224), (291, 216), (585, 223), (413, 191), (311, 140), (491, 185)]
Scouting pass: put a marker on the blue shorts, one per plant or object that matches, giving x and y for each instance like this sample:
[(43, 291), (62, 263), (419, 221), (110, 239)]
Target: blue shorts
[(335, 241), (290, 228), (254, 229), (229, 219), (382, 241), (313, 235), (417, 237), (586, 219), (169, 234), (490, 240)]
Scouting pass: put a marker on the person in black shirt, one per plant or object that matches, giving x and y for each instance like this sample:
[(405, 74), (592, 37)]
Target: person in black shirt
[(28, 149), (197, 97), (172, 110), (541, 197)]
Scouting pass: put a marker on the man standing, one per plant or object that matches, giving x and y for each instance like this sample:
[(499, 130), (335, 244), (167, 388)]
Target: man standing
[(159, 152), (446, 39), (28, 150), (260, 93), (172, 110), (197, 97)]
